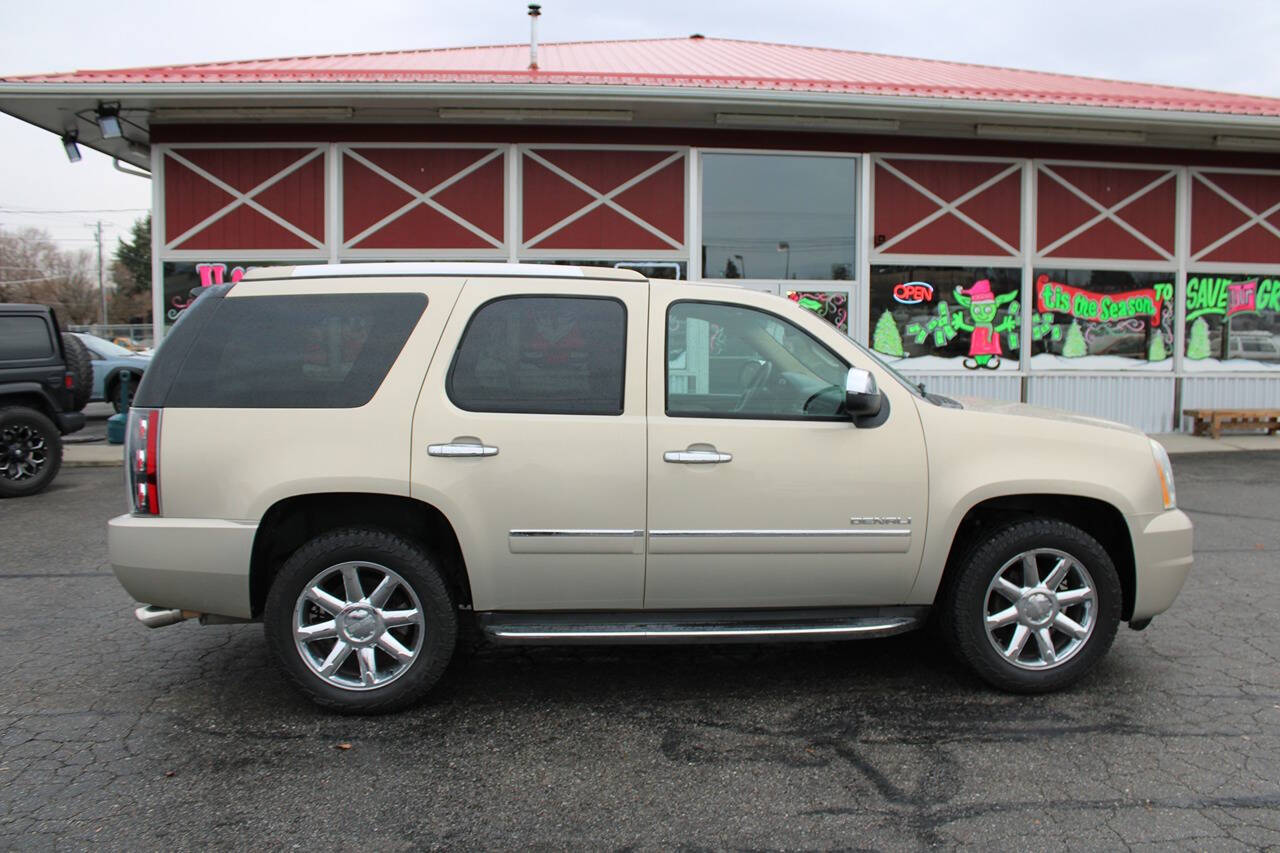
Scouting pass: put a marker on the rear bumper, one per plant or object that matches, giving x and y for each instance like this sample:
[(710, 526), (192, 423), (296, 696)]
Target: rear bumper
[(1162, 553), (194, 564), (69, 422)]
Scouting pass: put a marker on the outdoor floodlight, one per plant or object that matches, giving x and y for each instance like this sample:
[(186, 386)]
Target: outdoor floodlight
[(69, 145), (109, 121)]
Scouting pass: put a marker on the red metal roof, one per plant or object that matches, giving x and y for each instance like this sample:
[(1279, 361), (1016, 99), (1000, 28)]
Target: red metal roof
[(702, 63)]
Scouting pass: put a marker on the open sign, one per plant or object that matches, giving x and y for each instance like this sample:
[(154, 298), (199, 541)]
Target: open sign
[(913, 292)]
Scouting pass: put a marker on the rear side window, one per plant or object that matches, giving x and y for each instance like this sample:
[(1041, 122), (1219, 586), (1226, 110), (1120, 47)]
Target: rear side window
[(550, 355), (325, 351), (24, 337)]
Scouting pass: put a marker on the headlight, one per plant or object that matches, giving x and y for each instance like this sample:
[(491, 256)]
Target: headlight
[(1164, 470)]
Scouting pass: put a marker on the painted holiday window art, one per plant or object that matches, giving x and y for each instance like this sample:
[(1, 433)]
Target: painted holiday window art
[(1233, 323), (971, 318)]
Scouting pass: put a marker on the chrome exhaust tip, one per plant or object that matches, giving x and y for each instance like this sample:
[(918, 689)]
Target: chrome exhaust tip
[(159, 617)]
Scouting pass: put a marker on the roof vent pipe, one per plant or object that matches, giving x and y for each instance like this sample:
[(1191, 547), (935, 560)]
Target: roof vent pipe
[(534, 11)]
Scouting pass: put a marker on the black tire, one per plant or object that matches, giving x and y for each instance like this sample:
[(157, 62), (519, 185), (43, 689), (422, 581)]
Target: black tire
[(28, 440), (81, 367), (416, 568), (113, 389), (967, 598)]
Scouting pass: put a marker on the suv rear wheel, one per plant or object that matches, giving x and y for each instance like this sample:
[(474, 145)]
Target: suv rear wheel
[(1033, 607), (361, 621), (30, 451)]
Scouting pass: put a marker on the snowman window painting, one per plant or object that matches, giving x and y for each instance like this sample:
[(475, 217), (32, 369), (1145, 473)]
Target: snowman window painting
[(926, 317), (542, 355)]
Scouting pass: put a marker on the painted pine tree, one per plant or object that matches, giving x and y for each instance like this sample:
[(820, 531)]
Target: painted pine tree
[(1198, 342), (887, 340), (1074, 346), (1156, 352)]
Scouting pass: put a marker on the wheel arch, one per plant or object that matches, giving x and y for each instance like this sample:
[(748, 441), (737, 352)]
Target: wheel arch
[(1099, 518), (294, 520)]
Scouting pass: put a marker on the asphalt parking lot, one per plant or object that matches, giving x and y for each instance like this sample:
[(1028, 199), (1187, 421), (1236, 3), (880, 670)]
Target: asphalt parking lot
[(185, 737)]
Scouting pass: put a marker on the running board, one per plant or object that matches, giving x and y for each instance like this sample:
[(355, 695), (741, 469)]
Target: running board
[(709, 626)]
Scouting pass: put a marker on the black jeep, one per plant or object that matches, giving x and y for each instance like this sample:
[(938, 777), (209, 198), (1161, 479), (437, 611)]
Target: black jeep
[(45, 378)]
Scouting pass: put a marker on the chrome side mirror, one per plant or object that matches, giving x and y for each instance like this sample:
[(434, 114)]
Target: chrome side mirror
[(862, 399)]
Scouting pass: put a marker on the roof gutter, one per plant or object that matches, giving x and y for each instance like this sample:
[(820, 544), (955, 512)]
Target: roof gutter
[(662, 94)]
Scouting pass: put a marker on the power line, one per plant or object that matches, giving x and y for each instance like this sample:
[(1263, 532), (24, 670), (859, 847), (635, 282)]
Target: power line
[(80, 210)]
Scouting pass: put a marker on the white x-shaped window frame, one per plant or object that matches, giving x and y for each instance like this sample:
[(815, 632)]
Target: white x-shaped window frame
[(1253, 217), (246, 199), (947, 207), (426, 198), (605, 199), (1107, 213)]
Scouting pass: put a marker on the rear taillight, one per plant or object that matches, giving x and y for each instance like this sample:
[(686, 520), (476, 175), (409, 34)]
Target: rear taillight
[(69, 381), (142, 460)]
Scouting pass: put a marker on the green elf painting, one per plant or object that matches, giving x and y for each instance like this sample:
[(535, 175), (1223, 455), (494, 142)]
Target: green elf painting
[(984, 340)]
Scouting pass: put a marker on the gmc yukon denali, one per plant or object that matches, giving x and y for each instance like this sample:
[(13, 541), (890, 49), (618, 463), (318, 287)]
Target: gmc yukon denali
[(370, 459)]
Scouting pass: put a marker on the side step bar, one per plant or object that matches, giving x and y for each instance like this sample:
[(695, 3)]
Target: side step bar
[(712, 626)]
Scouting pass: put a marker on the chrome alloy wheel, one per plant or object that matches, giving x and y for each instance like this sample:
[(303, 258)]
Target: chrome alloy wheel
[(1040, 609), (353, 639), (23, 452)]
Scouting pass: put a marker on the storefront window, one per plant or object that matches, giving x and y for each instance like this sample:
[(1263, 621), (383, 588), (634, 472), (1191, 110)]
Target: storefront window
[(830, 305), (778, 216), (1102, 320), (673, 270), (946, 318), (1233, 322), (183, 279)]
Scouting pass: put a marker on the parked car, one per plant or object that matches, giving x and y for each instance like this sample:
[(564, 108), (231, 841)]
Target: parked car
[(112, 366), (39, 398), (370, 459)]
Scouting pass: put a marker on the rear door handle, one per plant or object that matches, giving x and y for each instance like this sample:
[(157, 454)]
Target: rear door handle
[(456, 448), (697, 457)]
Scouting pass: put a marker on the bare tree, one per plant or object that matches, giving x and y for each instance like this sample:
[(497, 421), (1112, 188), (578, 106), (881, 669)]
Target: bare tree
[(34, 269)]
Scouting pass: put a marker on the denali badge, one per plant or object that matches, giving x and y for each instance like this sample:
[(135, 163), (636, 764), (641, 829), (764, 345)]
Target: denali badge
[(881, 520)]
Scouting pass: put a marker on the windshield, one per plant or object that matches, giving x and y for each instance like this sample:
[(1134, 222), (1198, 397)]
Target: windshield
[(104, 347)]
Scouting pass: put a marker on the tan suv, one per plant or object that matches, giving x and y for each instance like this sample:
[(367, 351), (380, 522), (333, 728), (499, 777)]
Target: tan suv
[(371, 458)]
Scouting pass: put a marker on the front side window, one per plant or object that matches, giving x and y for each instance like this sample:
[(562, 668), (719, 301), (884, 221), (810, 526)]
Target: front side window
[(730, 361), (549, 355), (778, 216)]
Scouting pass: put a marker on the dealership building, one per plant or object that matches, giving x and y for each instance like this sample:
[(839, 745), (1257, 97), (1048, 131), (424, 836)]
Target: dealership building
[(1106, 247)]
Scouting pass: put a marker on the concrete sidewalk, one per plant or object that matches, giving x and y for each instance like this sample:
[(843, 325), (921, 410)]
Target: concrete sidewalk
[(103, 455), (98, 454)]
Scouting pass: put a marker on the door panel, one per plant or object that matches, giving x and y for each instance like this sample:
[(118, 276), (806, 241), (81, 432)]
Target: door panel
[(804, 512), (554, 517)]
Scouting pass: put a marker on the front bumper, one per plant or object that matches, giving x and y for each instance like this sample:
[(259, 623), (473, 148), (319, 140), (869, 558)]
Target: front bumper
[(1162, 557), (196, 564)]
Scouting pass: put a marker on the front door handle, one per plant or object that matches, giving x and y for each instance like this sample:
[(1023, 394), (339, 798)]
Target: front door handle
[(461, 448), (697, 457)]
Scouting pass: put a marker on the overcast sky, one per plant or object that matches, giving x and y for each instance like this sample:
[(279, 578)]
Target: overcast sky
[(1228, 45)]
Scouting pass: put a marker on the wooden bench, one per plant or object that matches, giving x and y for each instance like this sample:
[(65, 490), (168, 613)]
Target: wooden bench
[(1214, 421)]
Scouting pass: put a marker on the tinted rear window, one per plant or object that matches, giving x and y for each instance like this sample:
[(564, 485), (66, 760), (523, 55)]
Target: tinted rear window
[(551, 355), (326, 351), (24, 337)]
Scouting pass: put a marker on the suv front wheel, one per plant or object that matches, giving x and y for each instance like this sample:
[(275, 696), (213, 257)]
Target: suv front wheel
[(361, 621), (1033, 607)]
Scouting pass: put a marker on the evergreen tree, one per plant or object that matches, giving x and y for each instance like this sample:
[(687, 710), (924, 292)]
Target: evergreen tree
[(1198, 342), (1074, 346), (887, 340), (134, 256), (1156, 351)]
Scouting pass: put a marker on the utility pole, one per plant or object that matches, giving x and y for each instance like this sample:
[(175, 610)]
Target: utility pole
[(102, 289)]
